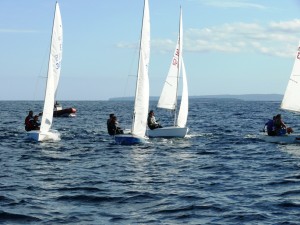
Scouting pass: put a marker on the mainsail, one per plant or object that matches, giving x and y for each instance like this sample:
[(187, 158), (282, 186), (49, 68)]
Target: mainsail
[(168, 97), (141, 104), (54, 67), (291, 99)]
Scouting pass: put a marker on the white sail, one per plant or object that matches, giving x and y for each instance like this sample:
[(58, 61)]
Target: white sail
[(53, 70), (184, 105), (168, 97), (141, 104), (292, 94), (58, 30)]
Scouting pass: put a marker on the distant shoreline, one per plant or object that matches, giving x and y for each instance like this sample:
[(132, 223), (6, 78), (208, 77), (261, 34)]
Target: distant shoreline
[(245, 97)]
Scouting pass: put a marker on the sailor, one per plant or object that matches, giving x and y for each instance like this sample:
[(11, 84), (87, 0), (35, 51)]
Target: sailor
[(109, 119), (270, 127), (151, 121), (112, 126), (35, 124), (28, 120), (57, 106), (280, 127)]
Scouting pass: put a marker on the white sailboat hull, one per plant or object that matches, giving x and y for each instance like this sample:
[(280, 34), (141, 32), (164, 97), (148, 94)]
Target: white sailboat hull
[(284, 139), (168, 132), (37, 135)]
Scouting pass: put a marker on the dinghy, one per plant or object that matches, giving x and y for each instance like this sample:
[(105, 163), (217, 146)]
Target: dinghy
[(168, 97), (60, 112), (284, 139), (141, 101), (290, 102), (54, 66)]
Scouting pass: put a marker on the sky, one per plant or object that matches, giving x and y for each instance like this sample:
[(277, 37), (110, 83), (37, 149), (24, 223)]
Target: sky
[(229, 46)]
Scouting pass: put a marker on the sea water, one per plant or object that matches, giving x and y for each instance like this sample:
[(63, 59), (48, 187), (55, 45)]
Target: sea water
[(222, 173)]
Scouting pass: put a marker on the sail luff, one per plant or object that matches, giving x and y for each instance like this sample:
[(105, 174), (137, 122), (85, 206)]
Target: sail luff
[(179, 66), (141, 103), (54, 67), (292, 93)]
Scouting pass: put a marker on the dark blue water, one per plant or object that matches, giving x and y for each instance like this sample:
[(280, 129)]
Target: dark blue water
[(221, 174)]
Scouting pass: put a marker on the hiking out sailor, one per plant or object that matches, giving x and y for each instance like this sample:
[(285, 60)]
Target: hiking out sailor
[(280, 127), (109, 120), (35, 124), (270, 127), (28, 119), (151, 121), (112, 126)]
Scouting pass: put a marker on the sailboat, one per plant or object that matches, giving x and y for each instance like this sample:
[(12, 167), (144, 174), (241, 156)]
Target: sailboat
[(169, 95), (290, 102), (54, 66), (141, 101)]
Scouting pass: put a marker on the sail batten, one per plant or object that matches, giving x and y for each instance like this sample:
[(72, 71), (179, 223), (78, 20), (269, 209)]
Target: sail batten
[(292, 93), (54, 67)]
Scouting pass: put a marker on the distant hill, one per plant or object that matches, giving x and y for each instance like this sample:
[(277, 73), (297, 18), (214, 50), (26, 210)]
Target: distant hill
[(246, 97)]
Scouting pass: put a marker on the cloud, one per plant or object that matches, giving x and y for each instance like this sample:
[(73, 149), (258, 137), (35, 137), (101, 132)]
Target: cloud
[(287, 26), (278, 39), (275, 38)]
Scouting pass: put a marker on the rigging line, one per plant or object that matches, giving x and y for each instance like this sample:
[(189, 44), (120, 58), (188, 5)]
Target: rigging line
[(40, 72), (133, 60)]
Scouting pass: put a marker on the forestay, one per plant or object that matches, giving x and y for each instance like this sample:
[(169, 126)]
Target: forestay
[(53, 70), (291, 99)]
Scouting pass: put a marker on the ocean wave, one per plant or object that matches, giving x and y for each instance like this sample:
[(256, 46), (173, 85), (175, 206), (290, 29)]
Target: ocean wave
[(14, 217)]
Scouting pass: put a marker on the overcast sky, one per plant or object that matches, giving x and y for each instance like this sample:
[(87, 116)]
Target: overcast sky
[(230, 46)]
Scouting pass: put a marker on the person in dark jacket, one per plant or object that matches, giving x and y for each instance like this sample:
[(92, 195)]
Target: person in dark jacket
[(35, 124), (112, 126), (28, 120), (280, 127), (271, 127)]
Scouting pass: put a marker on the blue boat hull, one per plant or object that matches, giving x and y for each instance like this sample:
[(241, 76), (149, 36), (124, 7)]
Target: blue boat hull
[(128, 139)]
